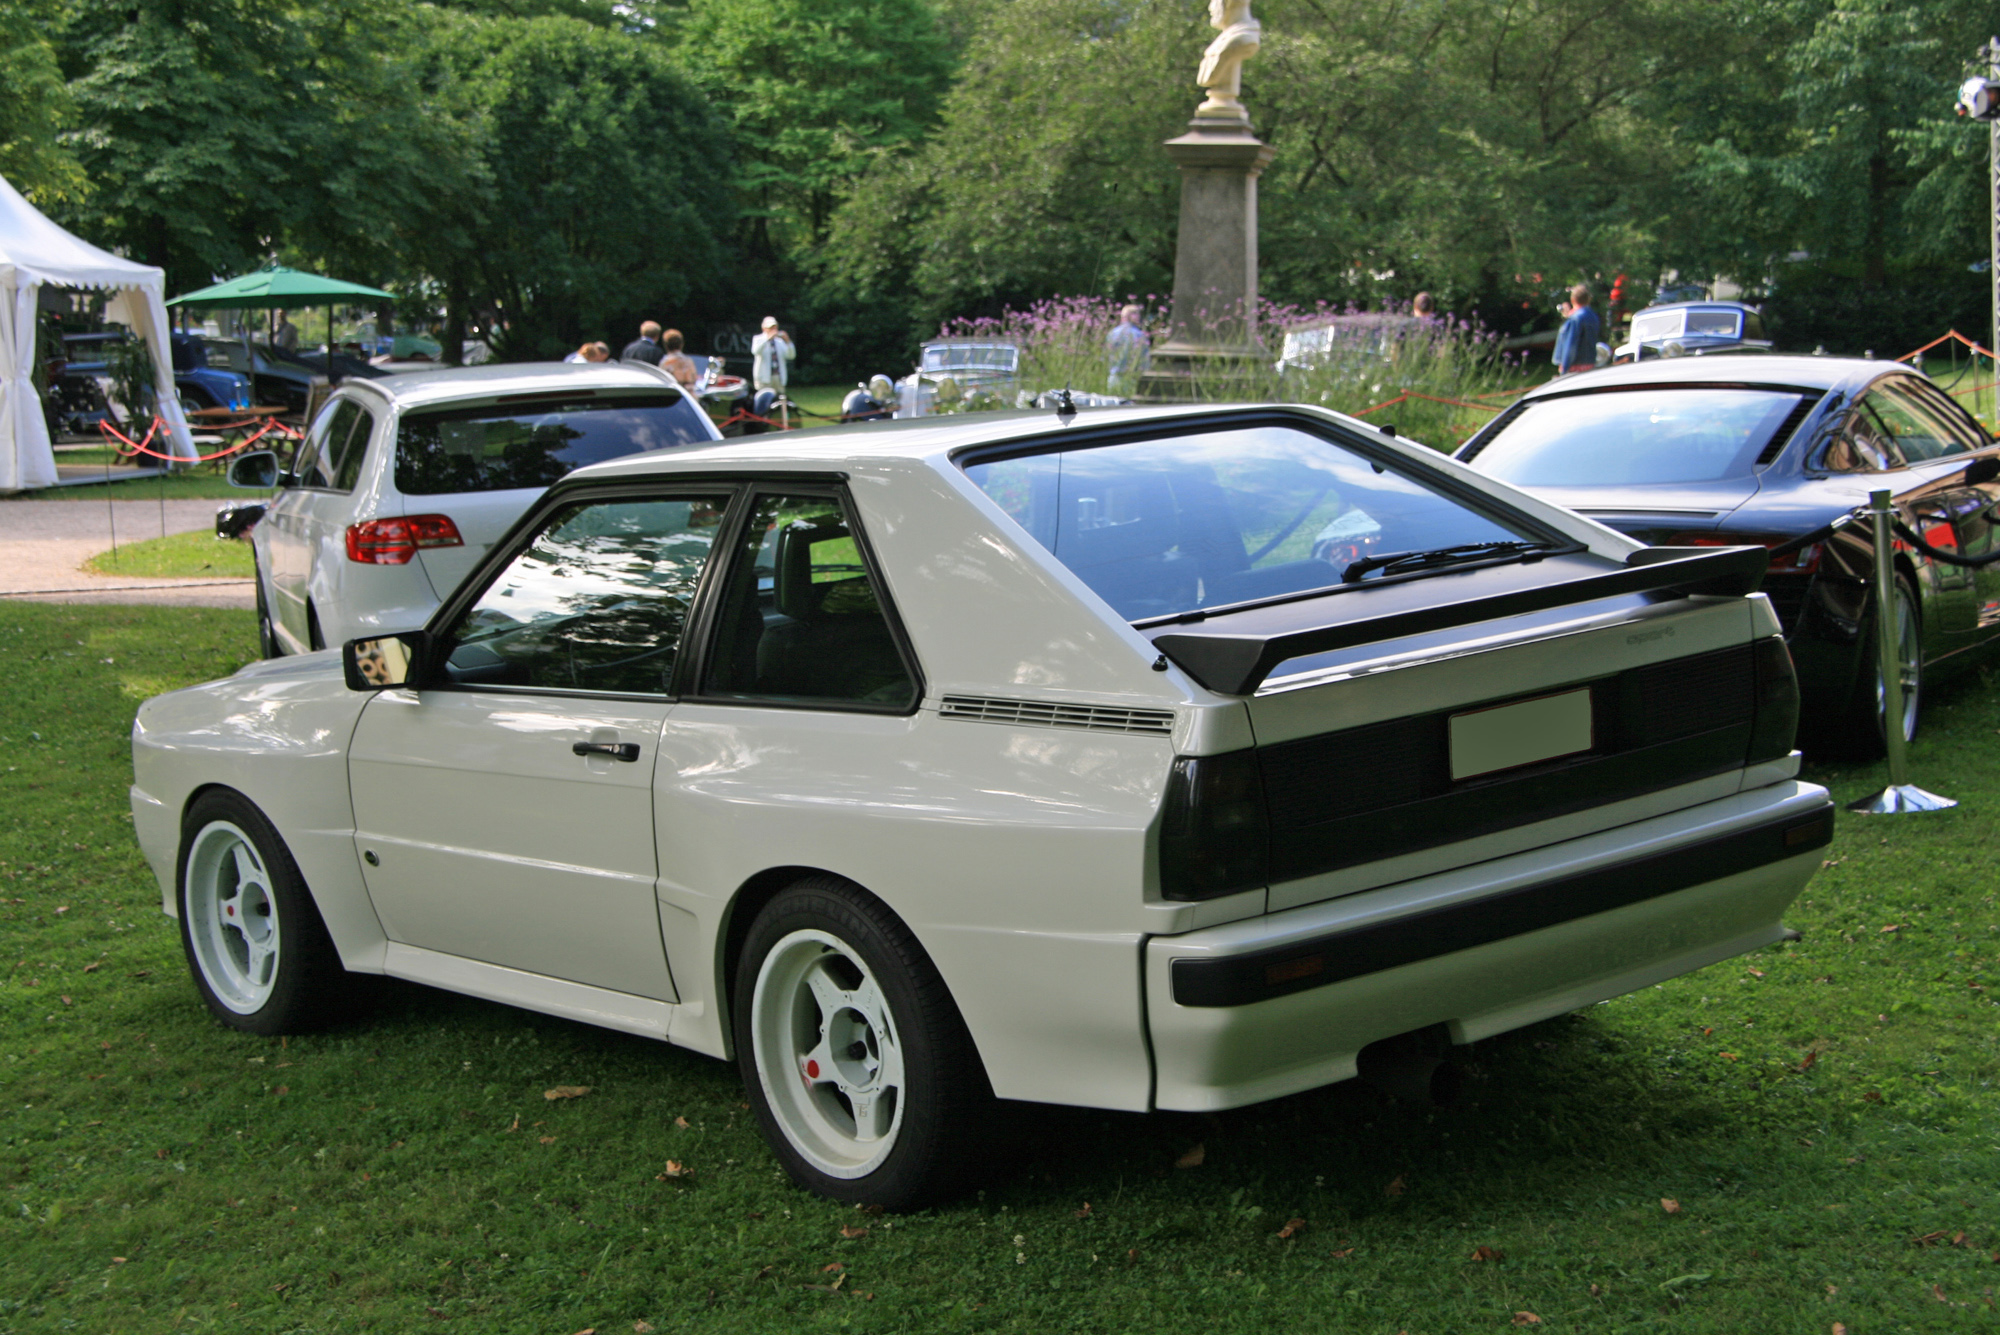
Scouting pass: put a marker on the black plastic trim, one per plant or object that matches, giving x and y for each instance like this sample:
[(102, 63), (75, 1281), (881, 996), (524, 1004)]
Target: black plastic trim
[(1356, 952), (1236, 664)]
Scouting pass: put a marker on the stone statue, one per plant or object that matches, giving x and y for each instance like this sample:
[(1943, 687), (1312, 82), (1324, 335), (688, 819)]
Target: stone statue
[(1222, 63)]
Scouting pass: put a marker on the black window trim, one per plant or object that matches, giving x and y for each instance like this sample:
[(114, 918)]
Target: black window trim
[(691, 670), (1473, 497), (524, 531)]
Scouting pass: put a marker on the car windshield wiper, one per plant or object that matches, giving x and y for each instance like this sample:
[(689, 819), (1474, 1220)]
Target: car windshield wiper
[(1399, 563)]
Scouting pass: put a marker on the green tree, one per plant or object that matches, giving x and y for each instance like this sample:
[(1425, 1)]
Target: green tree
[(34, 106), (814, 91), (596, 189)]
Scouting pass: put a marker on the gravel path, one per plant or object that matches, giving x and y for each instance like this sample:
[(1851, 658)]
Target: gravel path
[(43, 545)]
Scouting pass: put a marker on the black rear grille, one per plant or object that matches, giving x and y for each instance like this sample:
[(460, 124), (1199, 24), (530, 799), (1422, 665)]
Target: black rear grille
[(1349, 797)]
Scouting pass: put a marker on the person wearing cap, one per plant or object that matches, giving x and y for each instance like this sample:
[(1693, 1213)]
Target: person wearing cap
[(771, 354)]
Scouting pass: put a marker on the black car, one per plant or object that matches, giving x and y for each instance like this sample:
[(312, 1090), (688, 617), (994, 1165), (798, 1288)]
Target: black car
[(1769, 449)]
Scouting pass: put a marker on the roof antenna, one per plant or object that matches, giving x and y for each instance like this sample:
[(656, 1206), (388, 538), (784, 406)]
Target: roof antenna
[(1065, 407)]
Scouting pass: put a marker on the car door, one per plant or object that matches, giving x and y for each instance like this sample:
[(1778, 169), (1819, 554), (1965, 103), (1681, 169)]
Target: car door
[(506, 816), (285, 528), (1976, 507), (325, 518), (1946, 512)]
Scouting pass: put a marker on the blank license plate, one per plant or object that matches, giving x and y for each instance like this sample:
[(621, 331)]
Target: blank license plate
[(1523, 733)]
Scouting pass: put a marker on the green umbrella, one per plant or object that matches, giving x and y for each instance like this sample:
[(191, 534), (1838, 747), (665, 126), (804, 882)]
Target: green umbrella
[(276, 286)]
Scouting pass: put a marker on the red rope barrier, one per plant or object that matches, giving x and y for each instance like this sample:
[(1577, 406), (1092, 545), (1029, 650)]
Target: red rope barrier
[(140, 446)]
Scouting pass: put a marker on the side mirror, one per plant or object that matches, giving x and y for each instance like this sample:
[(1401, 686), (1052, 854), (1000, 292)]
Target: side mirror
[(1981, 471), (258, 469), (385, 661)]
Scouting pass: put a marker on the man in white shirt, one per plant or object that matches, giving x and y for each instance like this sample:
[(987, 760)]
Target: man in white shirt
[(286, 335), (771, 354)]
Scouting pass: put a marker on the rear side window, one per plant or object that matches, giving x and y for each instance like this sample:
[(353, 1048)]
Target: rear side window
[(1638, 436), (803, 621), (320, 463), (500, 447), (347, 455), (1161, 527)]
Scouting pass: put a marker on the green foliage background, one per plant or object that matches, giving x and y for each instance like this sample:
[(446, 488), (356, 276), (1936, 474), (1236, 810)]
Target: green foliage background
[(869, 168)]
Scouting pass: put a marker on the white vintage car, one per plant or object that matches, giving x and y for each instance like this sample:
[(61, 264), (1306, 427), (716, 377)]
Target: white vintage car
[(1172, 758)]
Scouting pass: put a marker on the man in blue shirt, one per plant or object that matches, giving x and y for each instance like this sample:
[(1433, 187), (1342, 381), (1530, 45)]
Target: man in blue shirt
[(1576, 343)]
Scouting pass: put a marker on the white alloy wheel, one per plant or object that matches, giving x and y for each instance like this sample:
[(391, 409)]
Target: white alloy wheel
[(819, 1017), (232, 916)]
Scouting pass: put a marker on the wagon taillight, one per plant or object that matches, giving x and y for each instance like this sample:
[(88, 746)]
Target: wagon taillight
[(392, 542)]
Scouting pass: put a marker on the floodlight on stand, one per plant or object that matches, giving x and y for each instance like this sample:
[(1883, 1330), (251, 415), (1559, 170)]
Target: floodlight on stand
[(1978, 98), (1900, 796)]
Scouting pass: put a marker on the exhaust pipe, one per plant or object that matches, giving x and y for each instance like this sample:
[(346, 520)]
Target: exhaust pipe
[(1411, 1068)]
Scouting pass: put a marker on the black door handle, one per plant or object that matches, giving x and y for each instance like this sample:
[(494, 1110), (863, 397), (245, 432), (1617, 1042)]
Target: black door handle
[(627, 751)]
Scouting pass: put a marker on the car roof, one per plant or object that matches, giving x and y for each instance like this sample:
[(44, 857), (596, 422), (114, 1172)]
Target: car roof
[(1705, 303), (455, 384), (915, 439), (1820, 373)]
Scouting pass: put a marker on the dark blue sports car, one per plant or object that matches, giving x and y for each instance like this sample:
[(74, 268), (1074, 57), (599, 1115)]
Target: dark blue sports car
[(1769, 449)]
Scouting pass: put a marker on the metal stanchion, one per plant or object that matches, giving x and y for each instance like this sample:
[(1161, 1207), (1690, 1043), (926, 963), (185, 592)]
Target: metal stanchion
[(1901, 794)]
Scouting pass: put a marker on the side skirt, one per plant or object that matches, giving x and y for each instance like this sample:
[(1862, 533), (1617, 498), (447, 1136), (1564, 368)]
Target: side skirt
[(532, 991)]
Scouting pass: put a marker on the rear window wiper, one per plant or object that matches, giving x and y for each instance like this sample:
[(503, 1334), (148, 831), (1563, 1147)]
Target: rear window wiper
[(1400, 563)]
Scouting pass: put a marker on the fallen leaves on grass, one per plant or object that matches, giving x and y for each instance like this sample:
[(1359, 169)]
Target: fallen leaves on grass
[(1839, 1328), (1194, 1157), (1343, 1254), (853, 1231), (681, 1122), (1526, 1319), (548, 1140), (1731, 1056), (566, 1092), (1396, 1187), (1872, 1096), (832, 1267), (1670, 1205), (1893, 927), (1292, 1228), (1084, 1213), (1756, 973), (1485, 1253), (675, 1168), (1812, 1055), (93, 966), (642, 1328)]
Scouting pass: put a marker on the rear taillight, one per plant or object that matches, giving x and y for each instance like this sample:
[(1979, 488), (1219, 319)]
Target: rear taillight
[(1802, 561), (1777, 718), (1214, 838), (392, 542)]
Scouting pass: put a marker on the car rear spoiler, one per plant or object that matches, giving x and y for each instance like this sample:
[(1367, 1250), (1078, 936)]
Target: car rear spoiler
[(1237, 663)]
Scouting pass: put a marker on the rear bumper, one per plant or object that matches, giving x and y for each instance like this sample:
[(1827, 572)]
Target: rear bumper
[(1259, 1009)]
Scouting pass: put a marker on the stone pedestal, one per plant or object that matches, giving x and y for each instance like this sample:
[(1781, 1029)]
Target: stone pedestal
[(1214, 322)]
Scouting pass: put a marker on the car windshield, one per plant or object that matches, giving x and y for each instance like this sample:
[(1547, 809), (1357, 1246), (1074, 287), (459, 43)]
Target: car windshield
[(498, 447), (1651, 328), (1637, 436), (1162, 527), (1713, 322), (970, 356)]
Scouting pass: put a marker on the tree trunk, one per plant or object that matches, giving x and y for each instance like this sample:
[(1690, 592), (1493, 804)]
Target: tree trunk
[(1874, 257), (454, 326)]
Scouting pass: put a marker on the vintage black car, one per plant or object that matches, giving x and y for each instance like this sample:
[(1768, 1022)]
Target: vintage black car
[(1771, 449)]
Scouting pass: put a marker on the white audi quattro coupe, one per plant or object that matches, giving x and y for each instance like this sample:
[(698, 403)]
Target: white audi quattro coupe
[(1166, 758)]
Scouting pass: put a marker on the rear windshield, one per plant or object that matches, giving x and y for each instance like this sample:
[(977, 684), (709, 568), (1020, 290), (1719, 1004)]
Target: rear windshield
[(1161, 527), (500, 447), (1637, 436)]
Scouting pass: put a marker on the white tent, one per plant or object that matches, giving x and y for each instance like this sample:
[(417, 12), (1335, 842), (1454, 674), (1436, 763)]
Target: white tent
[(34, 251)]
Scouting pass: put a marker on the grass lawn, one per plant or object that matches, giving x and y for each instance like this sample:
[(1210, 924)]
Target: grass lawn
[(1804, 1137), (194, 555), (197, 484)]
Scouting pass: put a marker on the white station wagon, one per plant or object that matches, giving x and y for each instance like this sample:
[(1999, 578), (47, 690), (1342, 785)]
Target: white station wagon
[(403, 483), (1173, 758)]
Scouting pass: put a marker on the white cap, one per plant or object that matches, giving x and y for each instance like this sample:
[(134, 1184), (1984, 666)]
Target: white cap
[(770, 322)]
